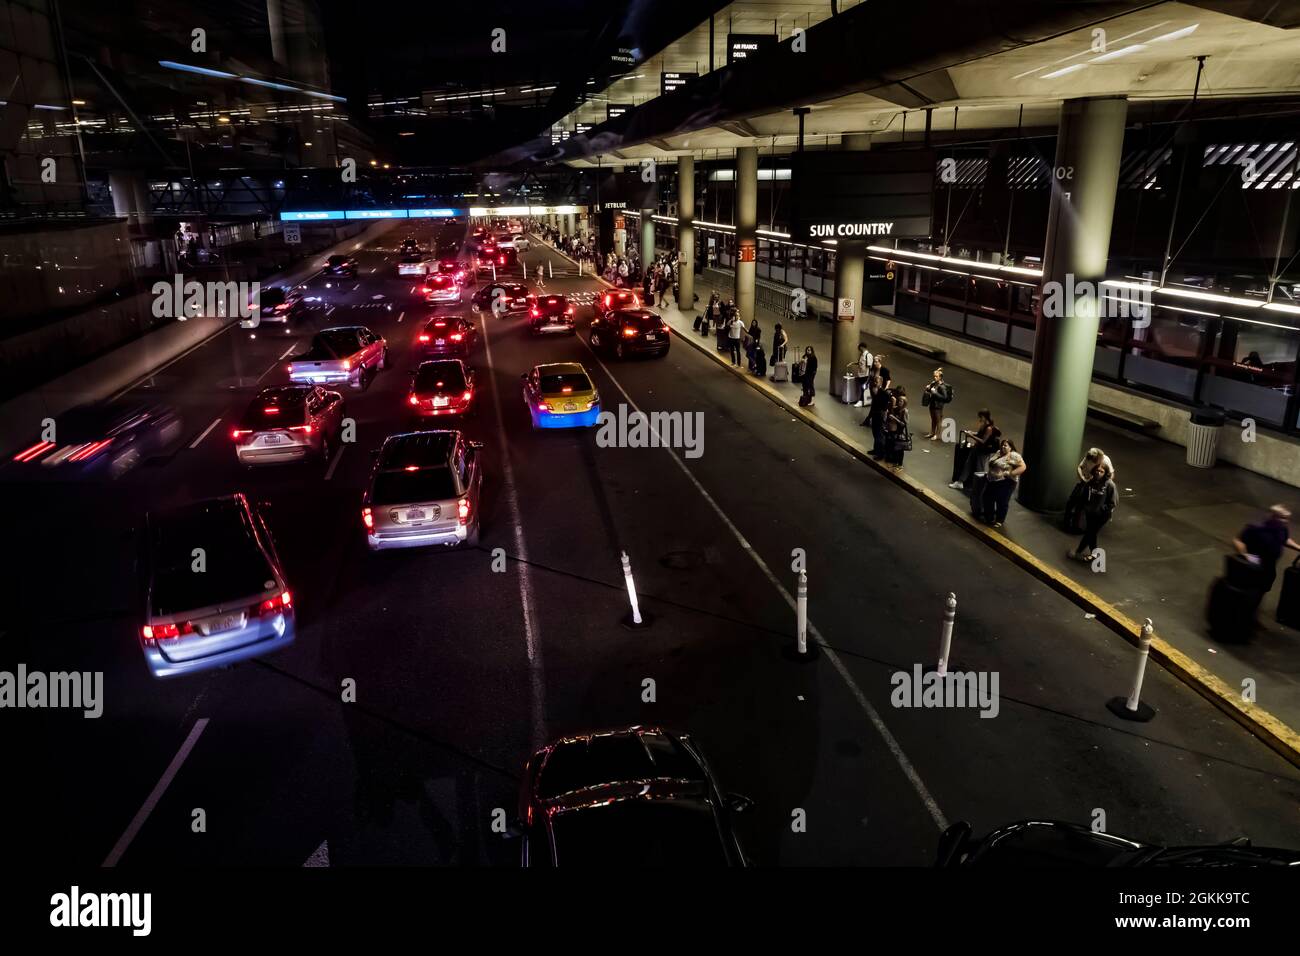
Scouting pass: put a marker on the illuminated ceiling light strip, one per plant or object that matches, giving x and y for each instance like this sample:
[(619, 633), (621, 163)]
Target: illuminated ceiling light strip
[(201, 70), (1073, 68), (1185, 31), (1116, 54), (904, 255), (269, 84)]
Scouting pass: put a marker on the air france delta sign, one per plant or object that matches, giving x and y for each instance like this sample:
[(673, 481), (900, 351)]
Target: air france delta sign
[(868, 196)]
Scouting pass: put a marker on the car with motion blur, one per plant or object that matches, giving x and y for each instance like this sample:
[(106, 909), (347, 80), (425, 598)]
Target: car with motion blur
[(413, 264), (1055, 844), (504, 240), (561, 395), (409, 245), (498, 261), (341, 266), (441, 387), (612, 300), (630, 332), (449, 262), (349, 354), (551, 313), (503, 299), (635, 797), (286, 423), (239, 607), (279, 303), (425, 490), (446, 335), (101, 439), (441, 289)]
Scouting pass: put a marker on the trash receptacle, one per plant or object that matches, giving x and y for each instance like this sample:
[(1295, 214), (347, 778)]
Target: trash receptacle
[(848, 385), (1203, 437)]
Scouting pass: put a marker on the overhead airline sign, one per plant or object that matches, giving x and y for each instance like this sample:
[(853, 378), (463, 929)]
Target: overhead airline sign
[(669, 81), (848, 196), (615, 110), (746, 46)]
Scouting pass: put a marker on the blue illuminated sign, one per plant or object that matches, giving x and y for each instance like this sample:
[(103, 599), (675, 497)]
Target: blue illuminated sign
[(311, 216), (433, 213), (376, 213)]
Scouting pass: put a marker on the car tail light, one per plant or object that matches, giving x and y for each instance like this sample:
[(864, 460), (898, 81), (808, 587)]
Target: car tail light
[(368, 519), (569, 311), (629, 332), (151, 634), (305, 429), (271, 410), (89, 451), (414, 399), (534, 312), (238, 433), (423, 337), (543, 407), (35, 451), (501, 261), (272, 605), (467, 396), (567, 389), (347, 364), (462, 510), (457, 336), (426, 290)]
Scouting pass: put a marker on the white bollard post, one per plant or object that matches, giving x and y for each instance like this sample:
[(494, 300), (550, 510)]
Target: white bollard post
[(801, 613), (945, 640), (494, 272), (631, 589), (550, 273), (1132, 708)]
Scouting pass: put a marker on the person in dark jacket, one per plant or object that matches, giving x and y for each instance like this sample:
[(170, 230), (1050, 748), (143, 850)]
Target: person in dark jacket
[(1103, 496), (973, 449), (880, 399), (779, 341), (809, 377), (937, 395), (897, 435), (1265, 541)]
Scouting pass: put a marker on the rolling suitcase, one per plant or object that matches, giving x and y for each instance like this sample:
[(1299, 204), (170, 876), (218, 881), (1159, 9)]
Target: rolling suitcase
[(796, 372), (1288, 602), (760, 363), (781, 371), (1234, 601)]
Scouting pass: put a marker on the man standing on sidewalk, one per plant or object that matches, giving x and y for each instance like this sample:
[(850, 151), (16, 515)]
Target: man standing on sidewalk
[(735, 330), (1265, 541)]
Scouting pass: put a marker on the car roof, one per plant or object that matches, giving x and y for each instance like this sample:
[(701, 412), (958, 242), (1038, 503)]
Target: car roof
[(560, 368), (450, 317), (425, 449), (641, 313), (344, 328), (285, 394), (214, 510), (573, 768)]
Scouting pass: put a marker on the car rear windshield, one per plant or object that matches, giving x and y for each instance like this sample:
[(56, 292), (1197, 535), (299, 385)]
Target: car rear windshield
[(264, 415), (576, 381), (639, 321), (407, 487), (337, 260), (639, 833), (553, 303), (440, 378), (234, 565), (340, 343), (270, 298)]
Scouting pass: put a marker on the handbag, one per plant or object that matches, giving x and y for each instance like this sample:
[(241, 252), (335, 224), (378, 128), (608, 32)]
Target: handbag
[(902, 440), (925, 399)]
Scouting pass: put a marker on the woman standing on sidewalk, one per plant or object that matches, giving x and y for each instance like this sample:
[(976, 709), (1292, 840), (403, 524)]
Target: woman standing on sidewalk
[(936, 396), (778, 344), (809, 377), (972, 451), (898, 439), (1004, 472), (1103, 496)]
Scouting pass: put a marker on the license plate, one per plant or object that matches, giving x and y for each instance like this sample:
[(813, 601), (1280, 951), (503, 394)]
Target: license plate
[(439, 402), (414, 514), (272, 439), (649, 336), (439, 341), (227, 623), (570, 407)]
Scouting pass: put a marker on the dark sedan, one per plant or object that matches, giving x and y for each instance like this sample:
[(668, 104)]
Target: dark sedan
[(630, 332), (640, 796), (502, 299), (343, 266), (446, 335), (106, 439)]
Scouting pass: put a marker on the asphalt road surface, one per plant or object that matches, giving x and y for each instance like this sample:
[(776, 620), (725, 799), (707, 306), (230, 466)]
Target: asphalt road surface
[(461, 669)]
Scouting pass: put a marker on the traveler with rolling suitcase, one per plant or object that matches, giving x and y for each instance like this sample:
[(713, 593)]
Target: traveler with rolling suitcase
[(1288, 602), (1262, 543), (808, 377), (1234, 600), (760, 360)]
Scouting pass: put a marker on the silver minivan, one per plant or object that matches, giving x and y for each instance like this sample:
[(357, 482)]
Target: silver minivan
[(424, 490), (214, 593)]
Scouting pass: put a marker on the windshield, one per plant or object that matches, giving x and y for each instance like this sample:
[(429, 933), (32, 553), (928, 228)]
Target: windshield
[(406, 487)]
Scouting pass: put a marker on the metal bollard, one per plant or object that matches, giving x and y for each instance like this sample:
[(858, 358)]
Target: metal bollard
[(550, 273), (1132, 708), (634, 619), (945, 640), (801, 613)]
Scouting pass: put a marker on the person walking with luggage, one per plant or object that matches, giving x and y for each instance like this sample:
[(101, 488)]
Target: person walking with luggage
[(809, 377), (974, 449), (1100, 504), (735, 330), (1003, 477), (936, 397), (1264, 542), (1094, 459), (898, 438)]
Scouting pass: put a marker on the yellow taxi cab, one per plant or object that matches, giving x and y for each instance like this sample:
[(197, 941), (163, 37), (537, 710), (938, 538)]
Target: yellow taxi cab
[(561, 395)]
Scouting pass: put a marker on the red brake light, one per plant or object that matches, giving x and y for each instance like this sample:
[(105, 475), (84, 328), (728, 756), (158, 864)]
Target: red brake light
[(34, 452), (238, 433), (440, 325), (152, 634), (569, 311), (300, 428), (567, 389), (462, 510), (629, 332), (543, 407), (457, 336), (367, 519), (467, 396), (280, 602), (534, 312), (347, 364), (271, 410), (423, 337), (414, 399)]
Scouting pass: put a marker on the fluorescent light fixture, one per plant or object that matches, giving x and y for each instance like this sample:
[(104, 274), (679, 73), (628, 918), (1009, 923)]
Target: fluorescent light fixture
[(1177, 34), (1073, 68), (904, 255), (1116, 54), (269, 85), (201, 70)]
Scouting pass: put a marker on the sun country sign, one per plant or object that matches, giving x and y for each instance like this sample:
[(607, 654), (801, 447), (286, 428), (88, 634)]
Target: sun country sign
[(848, 195), (849, 230)]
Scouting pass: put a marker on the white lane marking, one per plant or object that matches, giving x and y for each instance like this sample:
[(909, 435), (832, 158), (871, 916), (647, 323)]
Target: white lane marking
[(356, 287), (286, 353), (269, 369), (215, 422), (155, 795), (373, 268), (338, 456), (536, 668), (873, 716), (400, 315), (330, 311)]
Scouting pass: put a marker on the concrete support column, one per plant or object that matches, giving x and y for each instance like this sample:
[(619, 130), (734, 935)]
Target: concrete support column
[(647, 238), (686, 232), (130, 196), (1084, 180), (746, 229), (845, 334), (570, 221)]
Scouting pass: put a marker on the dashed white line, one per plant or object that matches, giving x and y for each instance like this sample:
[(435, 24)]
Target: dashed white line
[(873, 716), (338, 456), (536, 669), (155, 795), (400, 315), (286, 353), (215, 422)]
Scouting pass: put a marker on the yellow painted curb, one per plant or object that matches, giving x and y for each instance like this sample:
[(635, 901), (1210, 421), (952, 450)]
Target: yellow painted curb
[(1263, 724)]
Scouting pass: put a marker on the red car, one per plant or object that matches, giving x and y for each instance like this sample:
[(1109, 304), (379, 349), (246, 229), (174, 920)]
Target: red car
[(446, 335), (441, 387)]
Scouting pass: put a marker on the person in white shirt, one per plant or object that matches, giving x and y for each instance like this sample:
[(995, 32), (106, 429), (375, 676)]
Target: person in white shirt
[(735, 331), (862, 371)]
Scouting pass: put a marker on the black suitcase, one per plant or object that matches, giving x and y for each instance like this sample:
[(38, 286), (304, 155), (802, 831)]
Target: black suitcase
[(1288, 602), (760, 363), (1231, 611)]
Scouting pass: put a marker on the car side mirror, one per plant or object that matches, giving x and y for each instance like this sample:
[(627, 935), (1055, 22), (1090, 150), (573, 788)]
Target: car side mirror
[(739, 803)]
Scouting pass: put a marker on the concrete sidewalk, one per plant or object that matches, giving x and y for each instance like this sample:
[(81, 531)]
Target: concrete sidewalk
[(1163, 548)]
